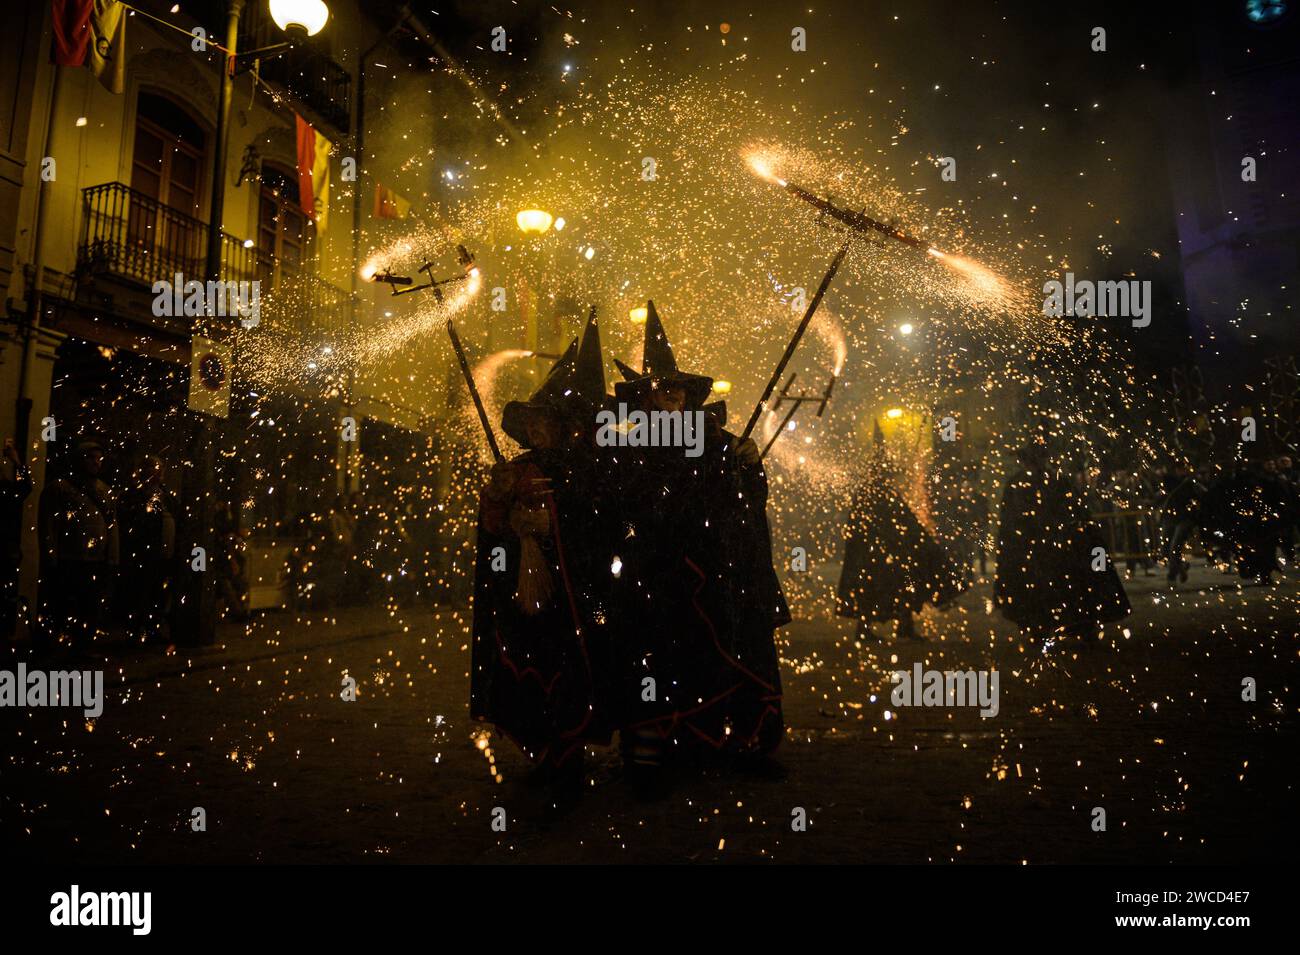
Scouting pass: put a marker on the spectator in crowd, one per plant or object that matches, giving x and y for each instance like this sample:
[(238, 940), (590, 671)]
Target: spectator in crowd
[(1130, 496), (301, 563), (1179, 517), (1244, 511), (1052, 573), (148, 551), (337, 550), (364, 560), (231, 566), (79, 551), (1285, 480)]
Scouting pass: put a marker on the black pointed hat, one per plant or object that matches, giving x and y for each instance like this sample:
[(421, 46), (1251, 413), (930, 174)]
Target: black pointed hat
[(881, 463), (659, 368), (589, 365), (551, 396), (629, 374)]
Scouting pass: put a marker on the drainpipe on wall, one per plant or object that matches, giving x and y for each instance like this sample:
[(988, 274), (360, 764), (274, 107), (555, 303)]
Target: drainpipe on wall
[(36, 294), (346, 475)]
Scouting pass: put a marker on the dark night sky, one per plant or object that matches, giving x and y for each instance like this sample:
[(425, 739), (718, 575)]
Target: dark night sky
[(1019, 94), (1052, 140)]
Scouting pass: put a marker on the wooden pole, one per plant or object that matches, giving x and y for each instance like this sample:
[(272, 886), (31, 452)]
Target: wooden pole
[(798, 334), (473, 391), (779, 430)]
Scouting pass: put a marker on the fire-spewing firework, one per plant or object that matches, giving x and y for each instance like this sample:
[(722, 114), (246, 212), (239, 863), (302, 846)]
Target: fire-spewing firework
[(622, 242), (273, 358), (984, 282)]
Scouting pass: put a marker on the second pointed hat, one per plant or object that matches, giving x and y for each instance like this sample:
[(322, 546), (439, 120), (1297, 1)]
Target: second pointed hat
[(574, 387), (659, 368)]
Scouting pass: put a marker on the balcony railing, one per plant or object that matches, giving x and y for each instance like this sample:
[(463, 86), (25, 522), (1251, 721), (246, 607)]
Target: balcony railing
[(128, 233), (294, 300), (131, 235)]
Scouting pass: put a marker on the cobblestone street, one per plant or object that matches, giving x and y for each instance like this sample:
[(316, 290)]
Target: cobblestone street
[(1149, 725)]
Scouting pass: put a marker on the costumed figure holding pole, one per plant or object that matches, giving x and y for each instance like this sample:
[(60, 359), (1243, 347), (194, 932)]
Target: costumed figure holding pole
[(697, 597), (541, 576)]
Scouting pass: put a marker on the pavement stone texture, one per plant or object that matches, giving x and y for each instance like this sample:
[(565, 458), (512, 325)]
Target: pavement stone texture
[(1148, 724)]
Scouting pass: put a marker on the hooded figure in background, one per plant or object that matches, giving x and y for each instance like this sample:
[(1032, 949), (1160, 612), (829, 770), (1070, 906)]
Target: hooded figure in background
[(541, 576), (1246, 509), (892, 565), (148, 544), (1052, 569), (697, 597)]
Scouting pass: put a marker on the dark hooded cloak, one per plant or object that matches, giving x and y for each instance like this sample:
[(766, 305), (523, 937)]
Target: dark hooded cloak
[(1046, 555), (539, 659), (697, 595), (892, 564)]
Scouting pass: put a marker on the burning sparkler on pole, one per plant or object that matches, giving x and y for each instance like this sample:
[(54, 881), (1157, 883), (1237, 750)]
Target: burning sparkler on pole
[(466, 260), (858, 221), (859, 224), (989, 286), (393, 281)]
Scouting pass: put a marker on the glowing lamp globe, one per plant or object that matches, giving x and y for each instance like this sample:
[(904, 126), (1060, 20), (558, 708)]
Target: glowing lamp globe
[(638, 314), (721, 386), (535, 221), (894, 413), (300, 16)]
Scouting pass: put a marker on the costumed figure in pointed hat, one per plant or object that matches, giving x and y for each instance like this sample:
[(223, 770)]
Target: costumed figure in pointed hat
[(698, 598), (893, 566), (1053, 573), (540, 585)]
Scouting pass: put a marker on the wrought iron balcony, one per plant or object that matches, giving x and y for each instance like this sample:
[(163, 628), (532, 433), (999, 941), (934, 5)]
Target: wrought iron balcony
[(294, 300), (130, 235), (303, 71)]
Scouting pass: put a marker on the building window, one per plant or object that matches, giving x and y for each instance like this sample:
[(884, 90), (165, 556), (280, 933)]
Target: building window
[(282, 235), (167, 164), (168, 159)]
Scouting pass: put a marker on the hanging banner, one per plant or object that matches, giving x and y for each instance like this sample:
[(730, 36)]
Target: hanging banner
[(209, 377), (91, 33), (313, 173)]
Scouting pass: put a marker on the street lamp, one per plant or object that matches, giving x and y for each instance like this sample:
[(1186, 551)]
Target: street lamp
[(300, 16), (298, 19), (533, 221)]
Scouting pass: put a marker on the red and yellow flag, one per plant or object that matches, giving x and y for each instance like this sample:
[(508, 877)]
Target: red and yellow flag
[(388, 204), (92, 33), (314, 174)]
